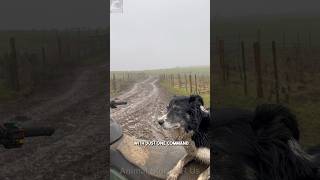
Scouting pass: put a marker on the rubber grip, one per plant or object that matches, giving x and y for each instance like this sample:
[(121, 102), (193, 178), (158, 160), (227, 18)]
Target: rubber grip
[(42, 131)]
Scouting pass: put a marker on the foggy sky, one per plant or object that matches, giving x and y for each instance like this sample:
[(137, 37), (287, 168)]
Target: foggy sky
[(153, 34), (39, 14), (232, 8)]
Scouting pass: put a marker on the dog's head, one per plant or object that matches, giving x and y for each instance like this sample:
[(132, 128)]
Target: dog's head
[(184, 114)]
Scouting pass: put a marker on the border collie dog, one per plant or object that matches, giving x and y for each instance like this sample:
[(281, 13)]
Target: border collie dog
[(260, 145), (188, 120)]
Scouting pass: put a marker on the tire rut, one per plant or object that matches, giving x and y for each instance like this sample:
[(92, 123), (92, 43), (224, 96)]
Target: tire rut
[(139, 117)]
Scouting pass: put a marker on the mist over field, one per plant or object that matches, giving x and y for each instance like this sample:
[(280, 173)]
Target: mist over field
[(252, 8), (160, 34), (48, 14)]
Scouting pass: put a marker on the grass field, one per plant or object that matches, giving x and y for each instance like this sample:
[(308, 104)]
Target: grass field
[(205, 70), (177, 81), (183, 92)]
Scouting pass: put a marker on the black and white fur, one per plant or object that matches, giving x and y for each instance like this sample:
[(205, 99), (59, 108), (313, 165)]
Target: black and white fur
[(188, 120), (260, 145)]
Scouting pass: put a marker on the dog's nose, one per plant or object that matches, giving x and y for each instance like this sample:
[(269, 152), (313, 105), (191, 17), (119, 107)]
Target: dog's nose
[(161, 122)]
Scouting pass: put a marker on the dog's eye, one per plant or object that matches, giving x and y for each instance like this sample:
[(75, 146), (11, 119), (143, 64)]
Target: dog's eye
[(167, 107)]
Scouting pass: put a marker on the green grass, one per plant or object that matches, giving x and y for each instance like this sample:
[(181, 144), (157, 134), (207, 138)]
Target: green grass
[(200, 71), (203, 70)]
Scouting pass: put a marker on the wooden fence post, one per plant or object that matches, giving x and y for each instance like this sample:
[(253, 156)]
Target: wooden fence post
[(186, 82), (195, 82), (190, 82), (275, 65), (201, 83), (172, 80), (179, 79), (114, 82), (258, 69), (244, 70)]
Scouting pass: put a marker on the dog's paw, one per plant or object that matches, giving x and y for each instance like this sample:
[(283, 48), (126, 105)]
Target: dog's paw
[(203, 177), (172, 175)]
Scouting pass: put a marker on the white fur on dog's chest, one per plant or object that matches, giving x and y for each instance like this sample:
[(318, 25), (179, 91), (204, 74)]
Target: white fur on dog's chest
[(203, 154)]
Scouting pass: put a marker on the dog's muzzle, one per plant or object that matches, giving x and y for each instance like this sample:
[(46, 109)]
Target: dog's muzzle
[(167, 125), (162, 119)]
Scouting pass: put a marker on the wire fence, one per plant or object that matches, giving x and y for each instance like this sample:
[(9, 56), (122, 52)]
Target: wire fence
[(269, 70), (191, 83), (121, 81), (29, 57)]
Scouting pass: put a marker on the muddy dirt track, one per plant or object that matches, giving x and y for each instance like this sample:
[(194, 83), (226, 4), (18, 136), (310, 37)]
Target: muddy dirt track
[(146, 102), (76, 107)]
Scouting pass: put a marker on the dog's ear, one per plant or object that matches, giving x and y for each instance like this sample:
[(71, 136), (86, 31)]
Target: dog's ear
[(196, 99)]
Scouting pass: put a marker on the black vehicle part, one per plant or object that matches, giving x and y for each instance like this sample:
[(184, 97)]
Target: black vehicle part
[(40, 131), (114, 104), (115, 175), (11, 136), (115, 131)]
